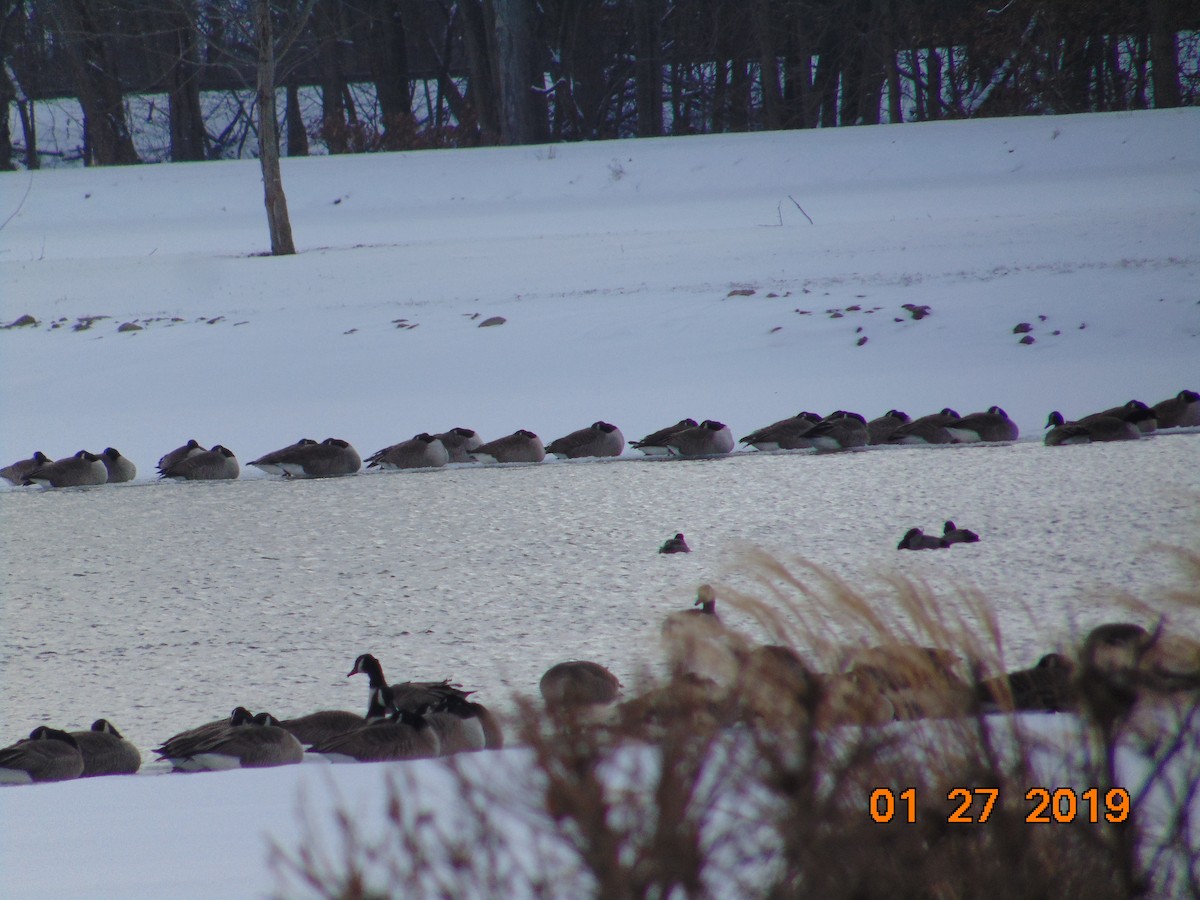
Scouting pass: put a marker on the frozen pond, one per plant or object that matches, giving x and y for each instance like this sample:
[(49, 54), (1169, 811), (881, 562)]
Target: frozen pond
[(163, 605)]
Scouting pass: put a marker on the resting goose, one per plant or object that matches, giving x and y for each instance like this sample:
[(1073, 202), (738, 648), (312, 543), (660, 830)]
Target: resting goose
[(880, 430), (120, 468), (80, 470), (576, 683), (423, 451), (1092, 429), (257, 744), (655, 443), (1135, 411), (786, 434), (1047, 686), (521, 446), (709, 438), (217, 464), (600, 439), (459, 442), (329, 459), (48, 754), (1179, 411), (15, 474), (952, 534), (105, 751), (176, 746), (272, 463), (931, 429), (917, 539), (405, 735), (840, 430), (168, 460), (993, 425)]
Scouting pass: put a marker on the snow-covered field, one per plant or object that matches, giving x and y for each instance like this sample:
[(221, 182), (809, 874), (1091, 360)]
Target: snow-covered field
[(641, 282)]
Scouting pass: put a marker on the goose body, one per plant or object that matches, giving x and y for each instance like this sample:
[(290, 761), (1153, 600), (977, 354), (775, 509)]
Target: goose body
[(15, 474), (697, 642), (519, 447), (177, 745), (600, 439), (119, 468), (105, 751), (405, 735), (655, 443), (839, 431), (1135, 412), (1046, 686), (931, 429), (323, 725), (459, 725), (577, 683), (786, 434), (880, 430), (1179, 411), (993, 425), (217, 464), (677, 544), (168, 460), (424, 451), (329, 459), (916, 539), (459, 442), (272, 463), (48, 754), (257, 744), (952, 534), (1092, 429), (80, 470), (709, 438)]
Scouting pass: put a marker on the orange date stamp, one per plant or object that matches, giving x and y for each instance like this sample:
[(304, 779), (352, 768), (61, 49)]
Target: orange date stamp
[(974, 806)]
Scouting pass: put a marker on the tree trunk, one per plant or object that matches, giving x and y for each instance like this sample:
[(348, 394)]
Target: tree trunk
[(387, 54), (648, 67), (514, 54), (297, 135), (481, 94), (1164, 54), (278, 221), (181, 46)]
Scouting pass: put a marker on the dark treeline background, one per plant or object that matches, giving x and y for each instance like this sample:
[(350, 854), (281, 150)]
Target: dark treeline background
[(442, 73)]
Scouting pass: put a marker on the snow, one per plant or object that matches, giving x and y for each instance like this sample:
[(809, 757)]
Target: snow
[(615, 265)]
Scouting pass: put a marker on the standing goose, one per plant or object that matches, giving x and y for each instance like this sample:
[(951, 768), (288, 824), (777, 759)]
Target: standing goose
[(257, 744), (952, 534), (105, 751), (48, 754), (272, 463), (329, 459), (168, 460), (217, 464), (15, 474), (424, 451), (993, 425), (1092, 429), (459, 442), (786, 434), (406, 735), (519, 447), (709, 438), (72, 471), (119, 467), (839, 430), (931, 429), (578, 683), (655, 443), (916, 539), (880, 430), (1180, 411), (598, 439)]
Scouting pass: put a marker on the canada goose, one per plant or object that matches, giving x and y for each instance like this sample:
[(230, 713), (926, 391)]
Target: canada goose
[(329, 459), (179, 453), (72, 471), (1047, 686), (119, 467), (776, 688), (916, 539), (413, 695), (48, 754), (840, 430), (676, 544), (952, 534), (105, 752), (918, 682), (709, 438), (990, 426), (929, 429), (520, 446), (404, 735), (1135, 412), (459, 725), (697, 642), (655, 443), (459, 442), (217, 464), (424, 451), (15, 474), (598, 439), (851, 699), (689, 701), (272, 463), (1091, 429), (786, 434), (1179, 411), (174, 746), (257, 744), (1109, 663), (327, 724), (576, 683), (881, 429)]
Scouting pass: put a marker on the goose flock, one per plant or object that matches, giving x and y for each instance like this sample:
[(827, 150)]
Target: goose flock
[(687, 438)]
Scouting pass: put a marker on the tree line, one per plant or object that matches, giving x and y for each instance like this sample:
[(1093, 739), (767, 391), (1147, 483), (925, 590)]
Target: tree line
[(443, 73)]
